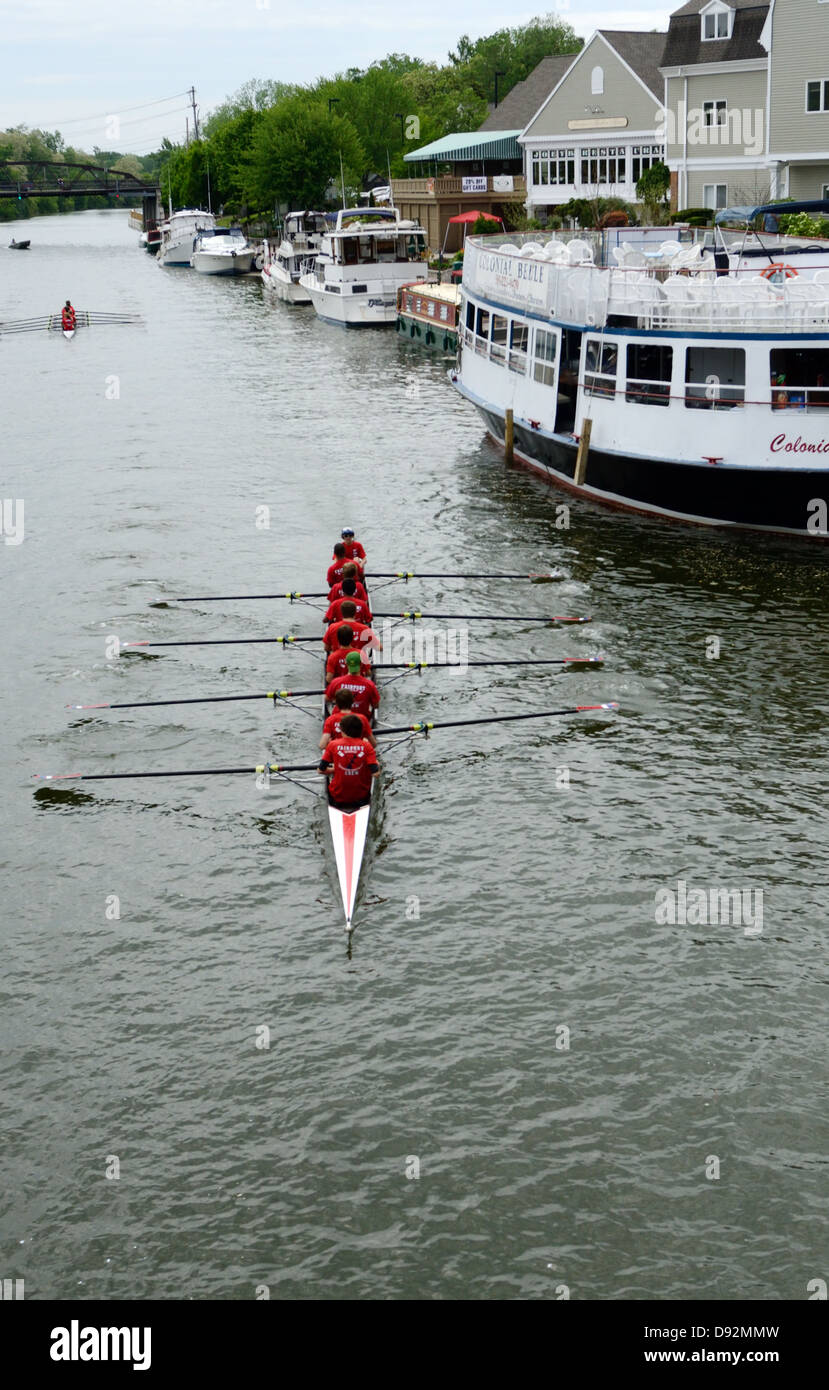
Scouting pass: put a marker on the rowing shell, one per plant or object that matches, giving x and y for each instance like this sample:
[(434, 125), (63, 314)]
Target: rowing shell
[(348, 833), (68, 332)]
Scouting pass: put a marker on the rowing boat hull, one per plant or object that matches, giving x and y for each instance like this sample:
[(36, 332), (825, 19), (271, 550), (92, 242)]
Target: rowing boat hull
[(68, 332), (348, 835)]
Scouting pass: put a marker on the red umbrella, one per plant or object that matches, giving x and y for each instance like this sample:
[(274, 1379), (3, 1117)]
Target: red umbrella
[(468, 218)]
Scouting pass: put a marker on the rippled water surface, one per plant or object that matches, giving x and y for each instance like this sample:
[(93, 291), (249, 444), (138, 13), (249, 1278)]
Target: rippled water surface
[(512, 1019)]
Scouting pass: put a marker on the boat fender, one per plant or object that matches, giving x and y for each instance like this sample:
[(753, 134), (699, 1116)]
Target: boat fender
[(259, 260), (778, 268), (430, 337), (412, 331), (446, 342), (418, 332)]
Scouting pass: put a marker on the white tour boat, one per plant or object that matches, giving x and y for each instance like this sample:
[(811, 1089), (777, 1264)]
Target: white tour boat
[(361, 264), (296, 254), (222, 251), (691, 383), (178, 234)]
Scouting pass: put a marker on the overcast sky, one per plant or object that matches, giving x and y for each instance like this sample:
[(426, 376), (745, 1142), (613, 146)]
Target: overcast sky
[(70, 64)]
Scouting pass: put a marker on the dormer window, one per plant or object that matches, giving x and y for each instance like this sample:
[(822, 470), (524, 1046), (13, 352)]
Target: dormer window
[(716, 22)]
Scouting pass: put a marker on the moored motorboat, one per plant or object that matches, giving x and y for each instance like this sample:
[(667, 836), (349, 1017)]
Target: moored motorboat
[(294, 256), (178, 234), (222, 251), (361, 264)]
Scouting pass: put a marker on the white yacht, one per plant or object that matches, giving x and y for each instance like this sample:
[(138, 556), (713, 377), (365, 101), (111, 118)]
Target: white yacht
[(692, 383), (179, 232), (362, 263), (296, 254), (222, 251)]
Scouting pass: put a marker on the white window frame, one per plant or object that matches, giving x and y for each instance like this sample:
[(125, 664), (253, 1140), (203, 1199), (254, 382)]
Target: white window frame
[(597, 82), (823, 83), (713, 204), (716, 12), (825, 193), (716, 108)]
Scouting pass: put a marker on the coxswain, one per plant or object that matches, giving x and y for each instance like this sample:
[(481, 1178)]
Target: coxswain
[(344, 704), (362, 612), (353, 549), (338, 564), (343, 589), (365, 697), (67, 316), (364, 635), (350, 763)]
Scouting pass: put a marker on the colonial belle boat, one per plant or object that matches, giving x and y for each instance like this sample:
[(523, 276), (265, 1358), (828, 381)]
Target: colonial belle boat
[(361, 263), (692, 383)]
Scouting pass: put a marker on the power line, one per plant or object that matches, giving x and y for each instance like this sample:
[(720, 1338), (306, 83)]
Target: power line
[(104, 115), (142, 120)]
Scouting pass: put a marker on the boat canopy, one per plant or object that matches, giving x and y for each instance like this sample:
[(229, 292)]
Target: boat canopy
[(748, 214)]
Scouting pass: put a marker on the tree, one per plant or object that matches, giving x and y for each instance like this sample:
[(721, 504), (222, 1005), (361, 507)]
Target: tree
[(296, 153), (652, 191)]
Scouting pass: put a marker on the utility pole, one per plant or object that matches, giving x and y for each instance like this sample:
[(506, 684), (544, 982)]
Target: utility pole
[(192, 95), (497, 75)]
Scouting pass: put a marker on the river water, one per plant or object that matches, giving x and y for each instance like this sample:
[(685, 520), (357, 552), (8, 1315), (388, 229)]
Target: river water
[(522, 1081)]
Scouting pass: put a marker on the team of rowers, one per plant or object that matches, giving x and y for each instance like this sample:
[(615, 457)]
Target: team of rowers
[(349, 758)]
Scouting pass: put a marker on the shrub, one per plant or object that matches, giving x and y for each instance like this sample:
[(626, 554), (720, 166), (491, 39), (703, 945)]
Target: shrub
[(615, 218), (697, 217)]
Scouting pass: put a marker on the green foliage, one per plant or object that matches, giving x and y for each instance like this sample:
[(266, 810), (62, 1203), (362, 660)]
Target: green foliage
[(512, 52), (653, 189), (801, 224), (296, 153), (696, 217)]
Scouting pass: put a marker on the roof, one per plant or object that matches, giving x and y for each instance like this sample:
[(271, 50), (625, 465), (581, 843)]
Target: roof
[(523, 100), (470, 144), (643, 53), (685, 45)]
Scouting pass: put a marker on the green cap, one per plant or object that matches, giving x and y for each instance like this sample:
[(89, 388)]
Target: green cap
[(354, 662)]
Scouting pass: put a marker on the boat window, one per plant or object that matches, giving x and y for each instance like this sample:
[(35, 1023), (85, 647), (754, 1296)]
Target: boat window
[(470, 315), (349, 250), (800, 379), (715, 378), (519, 339), (482, 331), (600, 367), (544, 369), (649, 369), (500, 325)]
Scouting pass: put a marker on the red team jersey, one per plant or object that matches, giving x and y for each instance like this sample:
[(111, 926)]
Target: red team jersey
[(332, 723), (335, 665), (365, 692), (354, 551), (335, 571), (330, 641), (334, 614), (359, 595), (353, 760)]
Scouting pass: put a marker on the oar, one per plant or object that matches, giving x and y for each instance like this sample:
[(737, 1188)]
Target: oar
[(426, 725), (178, 772), (294, 694), (203, 700), (297, 593), (483, 617), (219, 642)]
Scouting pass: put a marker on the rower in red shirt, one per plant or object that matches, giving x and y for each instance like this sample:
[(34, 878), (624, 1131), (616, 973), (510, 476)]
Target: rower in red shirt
[(338, 564), (335, 613), (364, 634), (365, 695), (353, 549), (344, 590), (347, 642), (350, 764), (332, 728)]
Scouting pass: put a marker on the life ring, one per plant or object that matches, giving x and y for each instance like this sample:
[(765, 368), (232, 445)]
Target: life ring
[(773, 272)]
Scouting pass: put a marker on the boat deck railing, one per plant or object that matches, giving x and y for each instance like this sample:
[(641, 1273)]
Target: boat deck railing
[(675, 288)]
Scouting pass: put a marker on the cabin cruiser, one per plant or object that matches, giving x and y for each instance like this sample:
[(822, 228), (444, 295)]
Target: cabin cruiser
[(686, 383), (179, 232), (362, 262), (222, 251), (296, 254)]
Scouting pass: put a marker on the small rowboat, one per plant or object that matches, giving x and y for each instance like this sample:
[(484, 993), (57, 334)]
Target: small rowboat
[(68, 332), (348, 834)]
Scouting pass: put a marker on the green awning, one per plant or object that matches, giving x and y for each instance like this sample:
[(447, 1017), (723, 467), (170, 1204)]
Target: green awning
[(469, 145)]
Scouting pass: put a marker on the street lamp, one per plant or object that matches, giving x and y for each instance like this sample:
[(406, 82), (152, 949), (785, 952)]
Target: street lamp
[(497, 75), (398, 116)]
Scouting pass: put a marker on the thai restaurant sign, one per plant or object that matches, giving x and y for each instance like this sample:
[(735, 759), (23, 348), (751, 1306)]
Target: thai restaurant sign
[(524, 281), (473, 184)]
